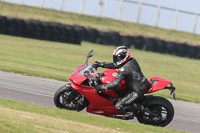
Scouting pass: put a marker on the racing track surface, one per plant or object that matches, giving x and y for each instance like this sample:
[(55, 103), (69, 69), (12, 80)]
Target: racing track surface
[(40, 91)]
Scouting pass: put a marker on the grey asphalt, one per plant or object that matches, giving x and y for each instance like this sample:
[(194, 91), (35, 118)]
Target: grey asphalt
[(40, 91)]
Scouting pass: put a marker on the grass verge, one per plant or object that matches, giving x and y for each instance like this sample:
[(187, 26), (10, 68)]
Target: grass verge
[(59, 60), (28, 12), (23, 117)]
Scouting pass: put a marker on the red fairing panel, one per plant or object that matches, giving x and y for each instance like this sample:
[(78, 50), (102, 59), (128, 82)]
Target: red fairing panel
[(158, 84), (79, 78), (97, 104), (110, 76)]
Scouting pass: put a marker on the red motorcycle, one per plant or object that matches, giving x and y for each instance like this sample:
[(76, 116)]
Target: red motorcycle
[(80, 92)]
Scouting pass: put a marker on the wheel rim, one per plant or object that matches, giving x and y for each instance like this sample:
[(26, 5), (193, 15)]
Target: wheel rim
[(159, 110), (70, 99)]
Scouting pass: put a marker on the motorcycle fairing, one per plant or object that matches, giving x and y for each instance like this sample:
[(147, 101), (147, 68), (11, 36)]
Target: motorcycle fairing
[(78, 78), (97, 104), (110, 76), (158, 83)]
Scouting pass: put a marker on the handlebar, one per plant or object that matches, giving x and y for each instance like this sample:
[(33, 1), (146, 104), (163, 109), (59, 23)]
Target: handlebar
[(92, 80)]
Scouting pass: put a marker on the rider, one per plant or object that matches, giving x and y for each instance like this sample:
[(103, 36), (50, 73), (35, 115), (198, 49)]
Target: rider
[(130, 72)]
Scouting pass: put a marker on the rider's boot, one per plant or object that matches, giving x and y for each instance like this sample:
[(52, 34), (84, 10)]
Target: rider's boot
[(133, 108), (130, 111)]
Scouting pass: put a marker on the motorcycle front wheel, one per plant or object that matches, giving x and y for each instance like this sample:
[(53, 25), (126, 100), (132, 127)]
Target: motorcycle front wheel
[(162, 108), (66, 97)]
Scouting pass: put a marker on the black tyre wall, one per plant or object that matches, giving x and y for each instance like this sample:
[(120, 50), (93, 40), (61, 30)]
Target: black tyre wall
[(40, 30), (182, 50), (115, 38), (10, 26), (3, 21), (198, 52), (90, 35), (76, 34), (160, 46), (19, 27), (127, 41), (138, 42), (170, 47), (151, 44), (104, 38)]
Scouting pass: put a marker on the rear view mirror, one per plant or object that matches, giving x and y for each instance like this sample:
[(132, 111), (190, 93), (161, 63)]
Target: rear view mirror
[(90, 54)]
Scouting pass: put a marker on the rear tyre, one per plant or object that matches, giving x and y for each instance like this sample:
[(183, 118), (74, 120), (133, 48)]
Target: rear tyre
[(162, 108), (66, 97)]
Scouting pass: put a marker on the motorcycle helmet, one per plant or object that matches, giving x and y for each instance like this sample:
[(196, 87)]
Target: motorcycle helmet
[(121, 55)]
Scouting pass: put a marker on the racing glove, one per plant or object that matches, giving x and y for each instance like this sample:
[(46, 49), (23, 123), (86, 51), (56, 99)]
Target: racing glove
[(98, 64), (101, 87)]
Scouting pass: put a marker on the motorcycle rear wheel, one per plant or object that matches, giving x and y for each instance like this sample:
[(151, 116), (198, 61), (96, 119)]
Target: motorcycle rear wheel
[(159, 106), (66, 97)]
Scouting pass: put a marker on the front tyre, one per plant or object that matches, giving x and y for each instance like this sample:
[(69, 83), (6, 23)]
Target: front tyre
[(159, 106), (66, 97)]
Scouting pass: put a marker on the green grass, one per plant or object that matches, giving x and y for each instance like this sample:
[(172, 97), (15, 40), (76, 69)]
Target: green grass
[(106, 24), (23, 117), (59, 60)]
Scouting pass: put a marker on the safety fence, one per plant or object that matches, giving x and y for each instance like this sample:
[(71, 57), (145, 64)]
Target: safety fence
[(75, 34)]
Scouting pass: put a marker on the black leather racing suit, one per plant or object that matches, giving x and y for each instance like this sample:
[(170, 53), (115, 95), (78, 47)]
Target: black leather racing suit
[(135, 80)]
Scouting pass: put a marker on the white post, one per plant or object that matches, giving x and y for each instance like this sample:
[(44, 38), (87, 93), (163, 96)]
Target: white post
[(139, 12), (100, 8), (176, 19), (195, 22), (82, 6), (61, 4), (120, 10), (42, 4), (21, 2), (158, 16)]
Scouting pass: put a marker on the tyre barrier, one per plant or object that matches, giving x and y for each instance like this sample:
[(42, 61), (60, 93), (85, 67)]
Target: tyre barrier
[(138, 42), (193, 52), (170, 47), (2, 24), (109, 38), (161, 46), (198, 53), (115, 38), (182, 50), (127, 41), (151, 44), (90, 35), (76, 34), (40, 30), (104, 38)]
